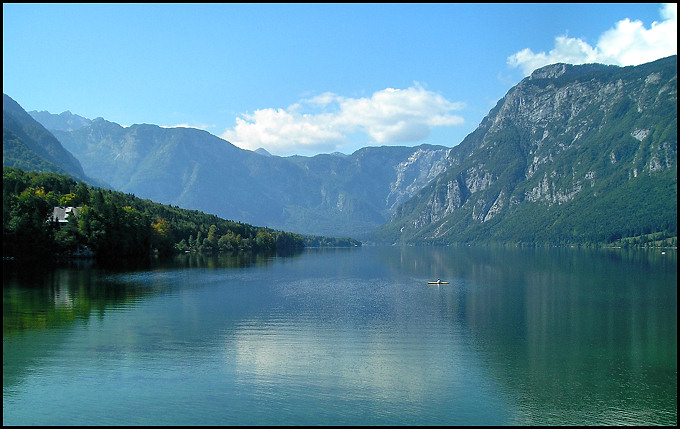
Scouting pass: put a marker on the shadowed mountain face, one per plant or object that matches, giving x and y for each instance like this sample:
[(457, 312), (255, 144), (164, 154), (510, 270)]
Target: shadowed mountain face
[(572, 154), (28, 145)]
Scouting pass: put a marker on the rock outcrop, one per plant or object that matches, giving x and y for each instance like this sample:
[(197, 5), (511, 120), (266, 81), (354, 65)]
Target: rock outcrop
[(564, 139)]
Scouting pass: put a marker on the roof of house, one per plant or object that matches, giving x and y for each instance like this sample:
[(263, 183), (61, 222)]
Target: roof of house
[(61, 214)]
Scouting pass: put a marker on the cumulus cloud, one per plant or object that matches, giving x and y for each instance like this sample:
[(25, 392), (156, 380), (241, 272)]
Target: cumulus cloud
[(324, 123), (627, 43)]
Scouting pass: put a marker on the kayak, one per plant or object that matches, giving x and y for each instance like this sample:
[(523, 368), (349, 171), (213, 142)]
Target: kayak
[(437, 283)]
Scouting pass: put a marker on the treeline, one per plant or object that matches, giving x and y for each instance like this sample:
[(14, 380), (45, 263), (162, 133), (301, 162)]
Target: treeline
[(115, 224)]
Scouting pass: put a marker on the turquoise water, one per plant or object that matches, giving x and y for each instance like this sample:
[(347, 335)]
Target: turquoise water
[(347, 337)]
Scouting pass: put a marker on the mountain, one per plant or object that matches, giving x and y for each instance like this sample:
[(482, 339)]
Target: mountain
[(65, 121), (26, 144), (572, 154), (360, 192), (328, 195)]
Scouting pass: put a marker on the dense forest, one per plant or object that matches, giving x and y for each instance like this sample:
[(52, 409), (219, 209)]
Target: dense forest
[(115, 224)]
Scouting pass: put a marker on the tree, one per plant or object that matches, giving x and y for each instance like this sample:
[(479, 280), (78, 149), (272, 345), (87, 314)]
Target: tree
[(228, 242), (210, 243), (28, 230), (264, 241), (162, 238), (68, 238)]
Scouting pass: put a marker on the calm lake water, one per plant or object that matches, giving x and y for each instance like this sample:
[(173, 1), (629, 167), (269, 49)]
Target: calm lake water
[(347, 337)]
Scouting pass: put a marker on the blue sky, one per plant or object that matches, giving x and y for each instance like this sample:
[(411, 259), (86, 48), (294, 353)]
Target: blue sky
[(309, 78)]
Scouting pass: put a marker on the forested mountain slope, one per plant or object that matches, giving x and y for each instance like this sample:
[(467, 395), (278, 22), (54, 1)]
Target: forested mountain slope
[(571, 155), (28, 145)]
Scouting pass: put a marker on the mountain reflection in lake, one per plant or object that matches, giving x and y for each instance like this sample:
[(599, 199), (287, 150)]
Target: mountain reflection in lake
[(348, 337)]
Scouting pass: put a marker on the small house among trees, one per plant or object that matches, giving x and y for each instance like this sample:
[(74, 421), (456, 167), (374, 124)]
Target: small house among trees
[(60, 215)]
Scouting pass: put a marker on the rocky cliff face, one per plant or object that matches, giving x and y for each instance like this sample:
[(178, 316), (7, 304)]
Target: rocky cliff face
[(564, 136), (413, 173)]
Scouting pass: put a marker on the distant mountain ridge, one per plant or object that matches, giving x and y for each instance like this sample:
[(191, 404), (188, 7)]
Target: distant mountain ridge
[(572, 154), (65, 121), (327, 194)]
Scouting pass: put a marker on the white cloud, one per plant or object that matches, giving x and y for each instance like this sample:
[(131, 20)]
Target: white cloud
[(203, 127), (326, 121), (627, 43)]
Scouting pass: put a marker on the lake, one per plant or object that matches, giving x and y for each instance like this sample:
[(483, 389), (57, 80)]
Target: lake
[(347, 337)]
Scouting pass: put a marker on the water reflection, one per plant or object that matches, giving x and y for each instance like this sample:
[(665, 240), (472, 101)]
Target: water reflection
[(349, 336), (230, 260), (567, 330), (570, 329), (47, 297), (365, 344)]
